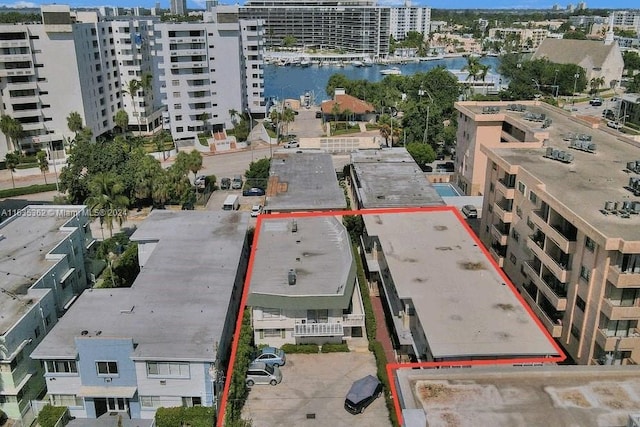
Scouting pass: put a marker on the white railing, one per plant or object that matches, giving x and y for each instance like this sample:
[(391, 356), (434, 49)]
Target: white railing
[(353, 320), (318, 329)]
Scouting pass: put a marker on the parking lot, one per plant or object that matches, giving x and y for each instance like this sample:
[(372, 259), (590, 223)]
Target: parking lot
[(312, 393)]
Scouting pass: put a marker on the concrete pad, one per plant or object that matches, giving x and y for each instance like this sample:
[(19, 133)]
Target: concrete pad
[(315, 384)]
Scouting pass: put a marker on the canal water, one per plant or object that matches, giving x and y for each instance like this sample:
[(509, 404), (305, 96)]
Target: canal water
[(292, 81)]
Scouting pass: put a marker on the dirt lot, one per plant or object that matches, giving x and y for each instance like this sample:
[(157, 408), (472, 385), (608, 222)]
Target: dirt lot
[(315, 384)]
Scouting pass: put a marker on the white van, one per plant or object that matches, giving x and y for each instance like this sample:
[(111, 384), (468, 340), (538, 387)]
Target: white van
[(231, 203)]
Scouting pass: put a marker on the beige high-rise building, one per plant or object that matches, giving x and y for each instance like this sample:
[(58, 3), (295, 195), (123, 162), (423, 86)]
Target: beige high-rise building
[(561, 216)]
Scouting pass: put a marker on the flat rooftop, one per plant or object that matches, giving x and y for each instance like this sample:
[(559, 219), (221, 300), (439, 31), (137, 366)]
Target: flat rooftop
[(463, 304), (389, 178), (303, 181), (26, 241), (177, 306), (552, 395), (592, 179), (319, 252)]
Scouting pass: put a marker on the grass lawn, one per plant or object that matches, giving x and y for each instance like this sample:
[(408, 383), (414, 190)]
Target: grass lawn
[(150, 147)]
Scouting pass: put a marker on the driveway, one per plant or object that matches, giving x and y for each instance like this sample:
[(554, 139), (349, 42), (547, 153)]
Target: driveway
[(312, 393)]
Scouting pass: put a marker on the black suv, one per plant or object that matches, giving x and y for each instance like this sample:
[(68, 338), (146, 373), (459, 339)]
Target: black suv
[(225, 184)]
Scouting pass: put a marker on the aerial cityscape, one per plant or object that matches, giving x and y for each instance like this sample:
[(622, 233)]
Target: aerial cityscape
[(284, 213)]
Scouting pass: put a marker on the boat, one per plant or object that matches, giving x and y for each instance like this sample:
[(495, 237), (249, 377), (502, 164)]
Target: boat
[(305, 62), (367, 62), (393, 71), (357, 63)]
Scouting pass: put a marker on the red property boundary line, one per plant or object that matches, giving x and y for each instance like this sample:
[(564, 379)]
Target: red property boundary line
[(391, 367)]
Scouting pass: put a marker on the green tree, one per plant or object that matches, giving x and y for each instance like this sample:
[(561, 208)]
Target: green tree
[(288, 116), (107, 200), (421, 153), (634, 85), (74, 122), (132, 87), (195, 162), (12, 129), (126, 267), (346, 113), (43, 164), (159, 140), (595, 84), (575, 35), (258, 174), (335, 112), (289, 41), (122, 120), (204, 118), (11, 160), (472, 67), (161, 190), (631, 61), (385, 132)]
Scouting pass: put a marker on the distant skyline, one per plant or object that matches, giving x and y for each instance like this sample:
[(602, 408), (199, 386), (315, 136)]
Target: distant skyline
[(435, 4)]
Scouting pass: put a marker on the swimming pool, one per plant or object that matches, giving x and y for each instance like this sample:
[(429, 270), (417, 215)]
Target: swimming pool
[(446, 190)]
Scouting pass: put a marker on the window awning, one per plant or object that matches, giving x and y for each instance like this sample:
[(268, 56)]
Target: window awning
[(105, 391)]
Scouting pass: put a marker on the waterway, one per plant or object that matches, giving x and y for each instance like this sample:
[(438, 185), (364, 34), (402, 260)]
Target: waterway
[(292, 81)]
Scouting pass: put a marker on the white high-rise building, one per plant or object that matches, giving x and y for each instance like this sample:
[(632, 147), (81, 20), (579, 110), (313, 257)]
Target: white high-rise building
[(178, 7), (208, 68), (409, 18)]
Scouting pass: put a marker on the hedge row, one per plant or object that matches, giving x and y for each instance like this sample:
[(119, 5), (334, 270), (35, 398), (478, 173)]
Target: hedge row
[(335, 348), (32, 189), (238, 391), (301, 348), (49, 415), (197, 416)]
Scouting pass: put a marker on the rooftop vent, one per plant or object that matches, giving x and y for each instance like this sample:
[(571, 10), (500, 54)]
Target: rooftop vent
[(634, 166), (582, 145), (559, 155), (634, 185), (294, 226), (292, 276), (517, 108)]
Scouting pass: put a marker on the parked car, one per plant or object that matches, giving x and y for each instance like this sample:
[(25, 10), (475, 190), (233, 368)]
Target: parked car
[(470, 211), (362, 393), (615, 125), (254, 191), (236, 184), (271, 356), (596, 102), (200, 181), (291, 144), (261, 373), (608, 114), (255, 211), (318, 114), (440, 156), (225, 184)]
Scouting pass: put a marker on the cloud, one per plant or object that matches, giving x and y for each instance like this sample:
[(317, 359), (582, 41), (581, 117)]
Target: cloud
[(21, 5)]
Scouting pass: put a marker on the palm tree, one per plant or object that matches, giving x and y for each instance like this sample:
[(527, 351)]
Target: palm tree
[(161, 190), (335, 112), (11, 160), (43, 164), (194, 163), (385, 132), (595, 84), (122, 120), (12, 129), (159, 141), (107, 200), (472, 67), (131, 89), (204, 117), (74, 122), (287, 117), (347, 115)]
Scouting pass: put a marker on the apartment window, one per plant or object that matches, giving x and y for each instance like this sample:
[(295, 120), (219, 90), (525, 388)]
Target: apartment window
[(515, 235), (190, 401), (168, 369), (512, 258), (581, 304), (519, 211), (107, 368), (66, 400), (271, 313), (150, 401), (590, 244), (530, 223), (176, 94), (180, 129), (272, 333), (575, 331), (521, 187), (585, 273), (490, 208), (47, 320), (491, 187), (178, 118), (175, 82), (177, 106), (62, 366), (318, 316), (533, 197)]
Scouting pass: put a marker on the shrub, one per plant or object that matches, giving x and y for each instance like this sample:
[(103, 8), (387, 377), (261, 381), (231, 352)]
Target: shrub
[(237, 389), (32, 189), (301, 348), (335, 348), (381, 364), (49, 415), (197, 416)]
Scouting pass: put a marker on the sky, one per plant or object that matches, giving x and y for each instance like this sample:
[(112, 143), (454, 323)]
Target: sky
[(434, 4)]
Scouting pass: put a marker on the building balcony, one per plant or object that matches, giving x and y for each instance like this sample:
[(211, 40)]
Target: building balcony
[(14, 43), (500, 233), (4, 72), (614, 311), (620, 279), (555, 292), (35, 112), (627, 343), (554, 328), (21, 57), (353, 320), (563, 242), (503, 212), (24, 99), (498, 255), (501, 186), (318, 330)]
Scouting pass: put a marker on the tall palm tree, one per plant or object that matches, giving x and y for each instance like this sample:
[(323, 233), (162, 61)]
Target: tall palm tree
[(11, 160), (595, 84), (287, 117), (122, 120), (74, 122), (385, 132), (43, 164), (131, 89), (472, 67), (12, 129), (195, 163), (159, 139), (146, 84), (161, 190), (107, 200)]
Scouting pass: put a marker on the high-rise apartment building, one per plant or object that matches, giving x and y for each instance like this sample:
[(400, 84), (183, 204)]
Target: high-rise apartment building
[(208, 68), (409, 18), (561, 217), (178, 7), (356, 27)]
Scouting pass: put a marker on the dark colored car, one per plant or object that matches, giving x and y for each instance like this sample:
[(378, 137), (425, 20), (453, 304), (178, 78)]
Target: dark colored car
[(318, 114), (225, 184), (253, 192), (362, 393)]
